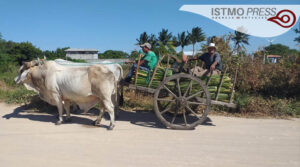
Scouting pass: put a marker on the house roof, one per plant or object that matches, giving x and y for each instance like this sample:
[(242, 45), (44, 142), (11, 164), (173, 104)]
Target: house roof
[(79, 49), (273, 56)]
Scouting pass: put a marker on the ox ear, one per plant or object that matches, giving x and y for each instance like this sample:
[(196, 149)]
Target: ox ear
[(34, 63), (27, 64)]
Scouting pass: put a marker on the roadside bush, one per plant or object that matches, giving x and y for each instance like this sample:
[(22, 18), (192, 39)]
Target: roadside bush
[(280, 79), (9, 91), (8, 71), (259, 106)]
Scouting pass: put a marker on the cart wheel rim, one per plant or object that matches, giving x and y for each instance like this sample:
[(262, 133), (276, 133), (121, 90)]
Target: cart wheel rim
[(181, 100)]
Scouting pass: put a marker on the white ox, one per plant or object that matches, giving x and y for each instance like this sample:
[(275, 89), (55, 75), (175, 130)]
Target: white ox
[(115, 68), (59, 85)]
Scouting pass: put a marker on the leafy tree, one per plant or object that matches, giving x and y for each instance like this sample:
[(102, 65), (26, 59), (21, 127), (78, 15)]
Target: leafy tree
[(282, 50), (59, 53), (133, 54), (2, 44), (1, 37), (222, 43), (23, 51), (196, 36), (113, 54)]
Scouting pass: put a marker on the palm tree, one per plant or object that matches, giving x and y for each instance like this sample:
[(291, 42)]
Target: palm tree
[(143, 38), (239, 40), (164, 36), (183, 40), (152, 40), (196, 36), (165, 42)]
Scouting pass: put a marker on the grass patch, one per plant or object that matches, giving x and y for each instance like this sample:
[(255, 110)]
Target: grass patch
[(9, 91), (16, 95), (135, 100), (259, 106)]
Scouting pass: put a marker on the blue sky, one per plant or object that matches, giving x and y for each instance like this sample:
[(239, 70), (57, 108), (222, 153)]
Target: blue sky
[(113, 24)]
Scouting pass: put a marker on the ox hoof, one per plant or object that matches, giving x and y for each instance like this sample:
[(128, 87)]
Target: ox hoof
[(95, 123), (111, 127), (68, 120), (58, 123)]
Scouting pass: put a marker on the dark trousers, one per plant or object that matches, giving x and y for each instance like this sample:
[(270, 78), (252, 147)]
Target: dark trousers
[(132, 71)]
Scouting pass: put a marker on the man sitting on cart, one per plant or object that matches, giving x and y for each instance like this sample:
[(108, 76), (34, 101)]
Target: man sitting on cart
[(211, 59), (147, 62)]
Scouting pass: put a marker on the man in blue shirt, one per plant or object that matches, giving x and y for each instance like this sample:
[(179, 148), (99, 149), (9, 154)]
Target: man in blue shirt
[(212, 61)]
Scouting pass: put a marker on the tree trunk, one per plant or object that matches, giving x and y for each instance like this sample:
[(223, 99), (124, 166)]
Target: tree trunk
[(193, 49)]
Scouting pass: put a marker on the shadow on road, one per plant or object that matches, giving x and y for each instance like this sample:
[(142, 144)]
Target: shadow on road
[(139, 117), (143, 118), (21, 112)]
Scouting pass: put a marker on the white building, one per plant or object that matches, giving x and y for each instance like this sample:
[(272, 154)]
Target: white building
[(83, 54)]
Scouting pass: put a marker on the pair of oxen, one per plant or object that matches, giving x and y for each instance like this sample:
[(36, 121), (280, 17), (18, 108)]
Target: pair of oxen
[(64, 85)]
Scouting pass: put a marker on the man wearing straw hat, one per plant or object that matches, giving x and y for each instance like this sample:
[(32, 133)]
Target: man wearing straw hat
[(212, 62)]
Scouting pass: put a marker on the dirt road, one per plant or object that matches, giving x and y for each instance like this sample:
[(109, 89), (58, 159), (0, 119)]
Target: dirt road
[(32, 139)]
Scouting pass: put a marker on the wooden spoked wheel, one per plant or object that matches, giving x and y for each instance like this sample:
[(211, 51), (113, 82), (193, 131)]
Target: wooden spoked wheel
[(182, 101)]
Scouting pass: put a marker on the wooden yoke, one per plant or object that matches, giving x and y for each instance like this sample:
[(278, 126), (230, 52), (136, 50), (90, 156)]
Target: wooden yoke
[(137, 68)]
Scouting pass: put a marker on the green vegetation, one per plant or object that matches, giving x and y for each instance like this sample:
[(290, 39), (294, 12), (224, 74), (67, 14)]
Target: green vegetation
[(261, 88), (113, 54), (9, 91), (12, 54), (279, 49)]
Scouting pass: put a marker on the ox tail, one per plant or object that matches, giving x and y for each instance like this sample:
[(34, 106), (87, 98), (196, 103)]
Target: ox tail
[(121, 102)]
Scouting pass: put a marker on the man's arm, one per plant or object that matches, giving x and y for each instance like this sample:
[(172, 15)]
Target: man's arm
[(185, 58), (136, 61), (213, 66), (217, 60), (142, 62)]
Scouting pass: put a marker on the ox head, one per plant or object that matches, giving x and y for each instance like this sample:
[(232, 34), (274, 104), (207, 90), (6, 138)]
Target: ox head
[(25, 69)]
